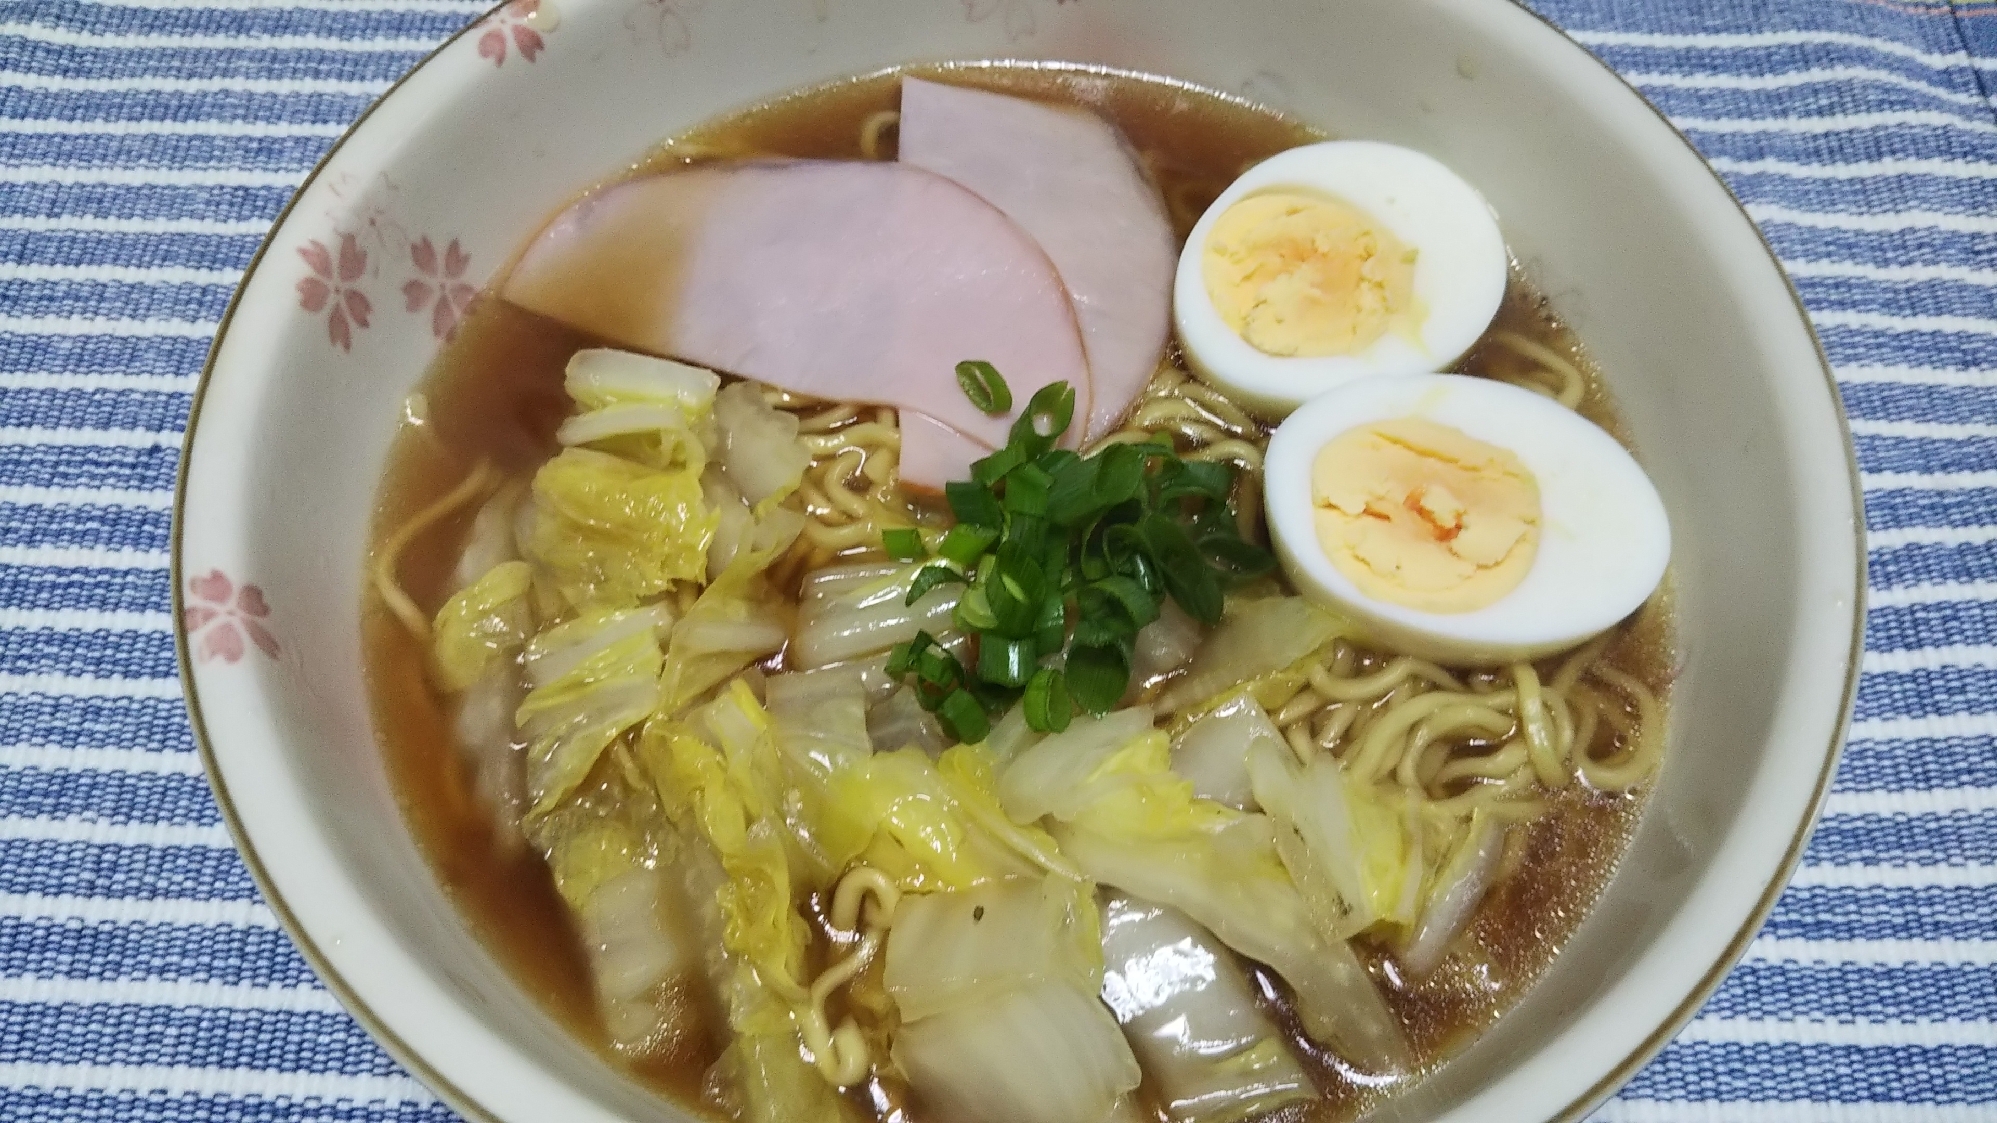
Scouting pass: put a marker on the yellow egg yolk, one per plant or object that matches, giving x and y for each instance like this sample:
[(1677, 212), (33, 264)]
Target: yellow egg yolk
[(1306, 275), (1425, 516)]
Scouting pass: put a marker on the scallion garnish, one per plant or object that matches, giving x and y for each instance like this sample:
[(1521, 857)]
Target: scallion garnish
[(1067, 557), (1048, 708), (983, 385), (903, 543)]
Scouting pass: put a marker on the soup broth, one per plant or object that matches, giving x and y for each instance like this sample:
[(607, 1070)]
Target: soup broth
[(495, 396)]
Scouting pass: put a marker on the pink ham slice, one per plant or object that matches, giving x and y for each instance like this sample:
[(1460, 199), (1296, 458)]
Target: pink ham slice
[(1068, 179), (851, 281)]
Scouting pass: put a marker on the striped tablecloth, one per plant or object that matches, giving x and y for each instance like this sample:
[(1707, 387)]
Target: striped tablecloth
[(144, 146)]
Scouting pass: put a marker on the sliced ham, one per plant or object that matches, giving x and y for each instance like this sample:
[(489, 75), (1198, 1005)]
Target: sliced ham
[(851, 281), (1068, 179)]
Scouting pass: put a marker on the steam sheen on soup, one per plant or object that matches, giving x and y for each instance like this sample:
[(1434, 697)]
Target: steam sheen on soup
[(826, 631)]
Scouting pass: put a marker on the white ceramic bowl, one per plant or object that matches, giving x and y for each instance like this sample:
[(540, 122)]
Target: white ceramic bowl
[(1640, 246)]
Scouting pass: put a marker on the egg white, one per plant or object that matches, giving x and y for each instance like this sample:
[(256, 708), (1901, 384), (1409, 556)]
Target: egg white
[(1460, 271), (1604, 538)]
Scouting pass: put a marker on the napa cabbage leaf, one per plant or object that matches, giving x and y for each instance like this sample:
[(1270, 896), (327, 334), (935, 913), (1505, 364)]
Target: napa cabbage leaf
[(609, 863), (719, 777), (1047, 1053), (732, 624), (485, 623), (655, 411), (1262, 643), (1354, 849), (758, 445), (948, 950), (1148, 835), (571, 720), (613, 531)]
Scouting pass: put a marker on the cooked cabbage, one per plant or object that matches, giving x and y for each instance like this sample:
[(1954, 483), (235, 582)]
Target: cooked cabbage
[(651, 410), (1149, 837), (484, 624), (490, 542), (1164, 645), (561, 649), (1231, 881), (898, 721), (997, 991), (570, 721), (853, 611), (1012, 735), (821, 716), (1192, 1019), (1458, 889), (1259, 641), (730, 626), (600, 377), (1212, 752), (643, 950), (900, 811), (484, 729), (759, 445), (1352, 852), (722, 779), (615, 532), (1049, 1053), (771, 1082), (1065, 772), (952, 950)]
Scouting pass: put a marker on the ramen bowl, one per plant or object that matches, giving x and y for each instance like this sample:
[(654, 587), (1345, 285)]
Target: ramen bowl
[(1642, 250)]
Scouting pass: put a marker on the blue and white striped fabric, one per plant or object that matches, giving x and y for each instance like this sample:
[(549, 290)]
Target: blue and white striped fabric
[(145, 145)]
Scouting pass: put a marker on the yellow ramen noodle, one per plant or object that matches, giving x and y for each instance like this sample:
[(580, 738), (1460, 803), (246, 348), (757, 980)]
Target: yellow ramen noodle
[(1425, 516)]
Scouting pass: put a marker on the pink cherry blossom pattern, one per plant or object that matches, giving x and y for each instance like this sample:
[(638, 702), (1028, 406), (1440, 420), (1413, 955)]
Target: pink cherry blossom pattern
[(442, 289), (335, 283), (218, 615), (1017, 15), (521, 23), (668, 22)]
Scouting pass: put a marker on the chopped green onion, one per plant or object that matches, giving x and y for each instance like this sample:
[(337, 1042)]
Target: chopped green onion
[(965, 543), (1048, 707), (1189, 478), (1183, 568), (1066, 553), (1071, 498), (1241, 559), (1097, 677), (1047, 416), (937, 667), (1008, 662), (1052, 629), (1121, 476), (1104, 630), (1132, 597), (903, 543), (1014, 591), (901, 659), (963, 718), (974, 504), (974, 612), (1027, 537), (930, 576), (985, 387), (1057, 460), (1026, 491), (993, 468)]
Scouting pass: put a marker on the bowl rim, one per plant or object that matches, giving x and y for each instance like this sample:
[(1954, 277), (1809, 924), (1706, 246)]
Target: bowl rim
[(463, 1102)]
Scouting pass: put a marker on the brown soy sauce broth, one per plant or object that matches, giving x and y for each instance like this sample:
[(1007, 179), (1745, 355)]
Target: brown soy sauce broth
[(495, 393)]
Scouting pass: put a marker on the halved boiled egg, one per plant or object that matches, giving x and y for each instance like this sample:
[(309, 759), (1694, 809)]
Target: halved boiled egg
[(1332, 262), (1462, 519)]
